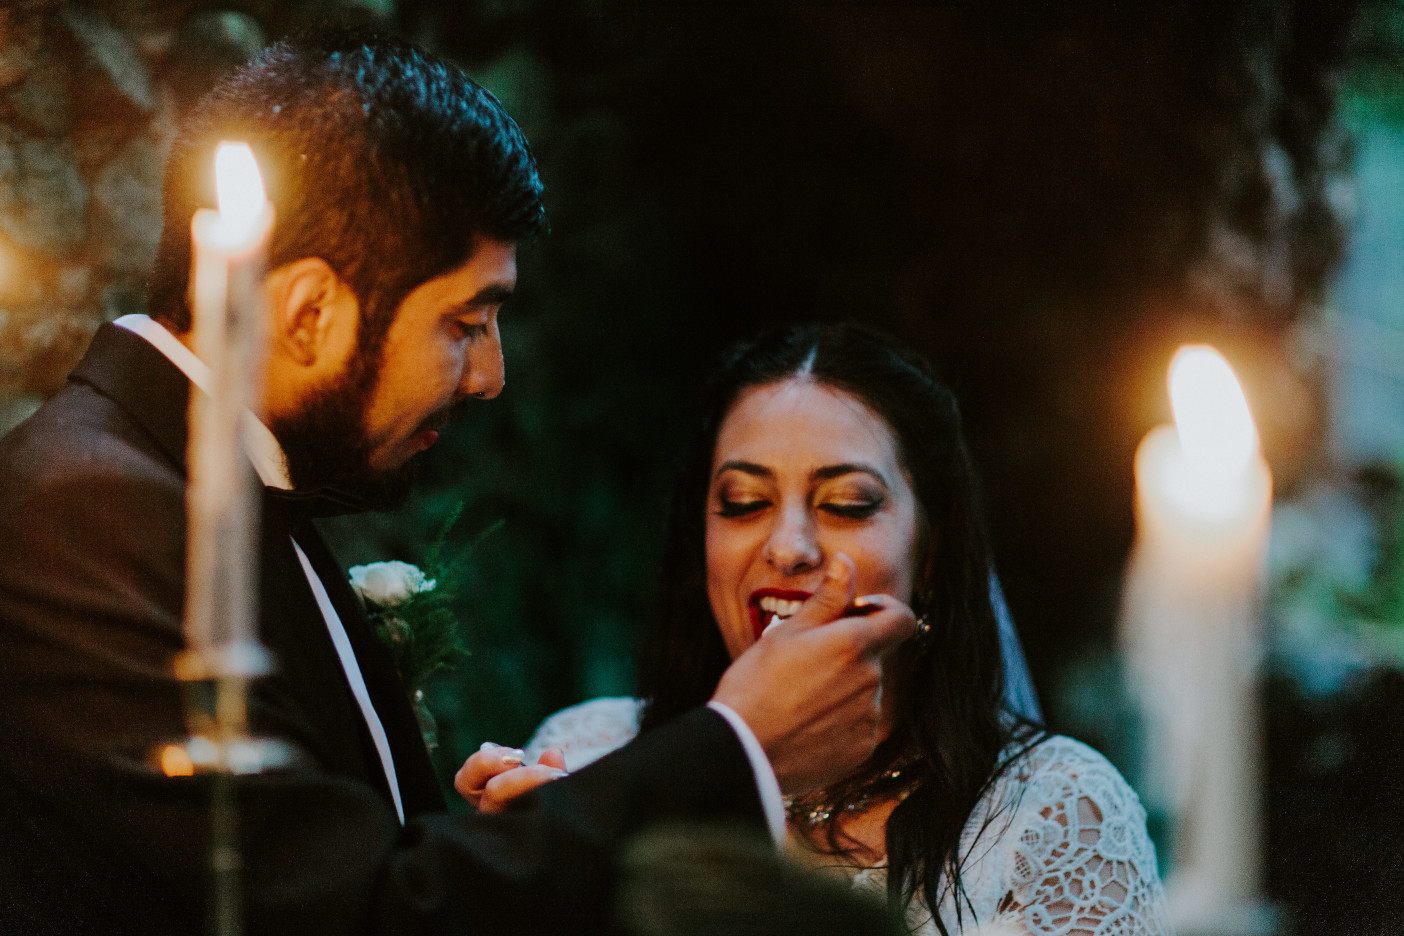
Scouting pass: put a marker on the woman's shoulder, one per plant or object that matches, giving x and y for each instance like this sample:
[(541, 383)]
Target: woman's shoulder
[(1062, 769), (1059, 755), (1060, 821), (589, 730)]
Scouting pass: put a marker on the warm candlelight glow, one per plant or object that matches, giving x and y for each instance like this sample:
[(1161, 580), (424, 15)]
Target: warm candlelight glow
[(175, 762), (1216, 430), (226, 276), (239, 189), (1190, 630), (1205, 463)]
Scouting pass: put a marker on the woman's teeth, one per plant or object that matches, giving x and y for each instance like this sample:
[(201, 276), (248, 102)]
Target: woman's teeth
[(779, 606), (778, 609)]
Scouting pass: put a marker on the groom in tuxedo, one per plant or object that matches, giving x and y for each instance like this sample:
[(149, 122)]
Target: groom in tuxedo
[(402, 190)]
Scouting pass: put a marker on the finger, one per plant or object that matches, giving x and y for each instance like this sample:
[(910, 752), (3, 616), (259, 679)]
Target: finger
[(880, 631), (553, 757), (891, 626), (505, 787), (834, 594), (489, 761)]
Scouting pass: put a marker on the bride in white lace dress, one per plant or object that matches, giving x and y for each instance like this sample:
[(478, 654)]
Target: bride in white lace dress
[(822, 440)]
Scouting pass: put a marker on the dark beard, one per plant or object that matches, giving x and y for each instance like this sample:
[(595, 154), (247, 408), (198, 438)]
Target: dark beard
[(326, 446)]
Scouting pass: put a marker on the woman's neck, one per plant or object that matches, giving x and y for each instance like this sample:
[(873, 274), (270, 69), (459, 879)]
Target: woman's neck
[(861, 837)]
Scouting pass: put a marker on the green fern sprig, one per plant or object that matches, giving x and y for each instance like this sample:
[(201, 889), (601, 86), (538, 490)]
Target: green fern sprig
[(421, 629)]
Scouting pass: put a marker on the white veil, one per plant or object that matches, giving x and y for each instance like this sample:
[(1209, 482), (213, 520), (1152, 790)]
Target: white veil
[(1019, 693)]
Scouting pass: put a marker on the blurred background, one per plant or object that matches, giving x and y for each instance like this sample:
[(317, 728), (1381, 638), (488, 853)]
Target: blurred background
[(1045, 198)]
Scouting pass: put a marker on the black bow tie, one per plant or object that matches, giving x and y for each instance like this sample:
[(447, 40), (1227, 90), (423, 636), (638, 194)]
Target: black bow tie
[(318, 502)]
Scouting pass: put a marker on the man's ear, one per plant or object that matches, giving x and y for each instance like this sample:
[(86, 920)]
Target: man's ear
[(312, 310)]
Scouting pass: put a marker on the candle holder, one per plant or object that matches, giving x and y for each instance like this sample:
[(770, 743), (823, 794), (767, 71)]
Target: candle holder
[(222, 502), (216, 686), (216, 694)]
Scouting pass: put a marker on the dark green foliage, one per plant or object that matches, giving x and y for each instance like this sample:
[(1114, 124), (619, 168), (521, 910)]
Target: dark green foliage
[(422, 636), (1376, 83), (1334, 810), (1044, 198), (1378, 602)]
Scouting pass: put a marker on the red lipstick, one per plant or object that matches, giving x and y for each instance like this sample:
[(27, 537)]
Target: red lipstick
[(758, 622), (753, 605)]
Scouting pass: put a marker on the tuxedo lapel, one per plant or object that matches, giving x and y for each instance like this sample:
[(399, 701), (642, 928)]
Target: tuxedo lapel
[(308, 687), (126, 368), (419, 786)]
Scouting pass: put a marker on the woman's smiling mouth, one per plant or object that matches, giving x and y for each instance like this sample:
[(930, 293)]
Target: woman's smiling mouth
[(767, 605)]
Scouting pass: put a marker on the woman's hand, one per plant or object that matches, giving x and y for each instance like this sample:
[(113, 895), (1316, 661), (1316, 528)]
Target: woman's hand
[(495, 775)]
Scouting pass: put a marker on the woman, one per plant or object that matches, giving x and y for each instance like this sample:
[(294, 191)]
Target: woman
[(826, 439)]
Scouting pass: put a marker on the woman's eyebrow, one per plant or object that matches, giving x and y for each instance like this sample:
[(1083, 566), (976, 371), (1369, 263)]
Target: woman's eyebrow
[(745, 467), (837, 471)]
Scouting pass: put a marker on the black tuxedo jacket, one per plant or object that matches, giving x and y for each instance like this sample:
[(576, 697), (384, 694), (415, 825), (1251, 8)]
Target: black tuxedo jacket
[(95, 839)]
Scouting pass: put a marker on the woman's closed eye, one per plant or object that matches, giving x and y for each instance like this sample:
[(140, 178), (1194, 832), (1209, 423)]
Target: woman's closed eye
[(852, 497), (740, 507), (852, 509)]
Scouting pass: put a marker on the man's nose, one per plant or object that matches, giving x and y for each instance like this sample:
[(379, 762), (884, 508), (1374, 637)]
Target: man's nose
[(484, 371), (793, 546)]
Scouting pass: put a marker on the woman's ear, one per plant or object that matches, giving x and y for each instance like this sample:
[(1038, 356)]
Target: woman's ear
[(312, 312)]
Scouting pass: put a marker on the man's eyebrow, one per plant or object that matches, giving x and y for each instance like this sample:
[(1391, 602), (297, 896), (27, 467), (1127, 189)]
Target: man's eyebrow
[(745, 467), (491, 294), (837, 471)]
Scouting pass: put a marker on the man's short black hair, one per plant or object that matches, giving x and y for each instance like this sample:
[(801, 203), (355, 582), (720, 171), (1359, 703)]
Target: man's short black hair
[(380, 159)]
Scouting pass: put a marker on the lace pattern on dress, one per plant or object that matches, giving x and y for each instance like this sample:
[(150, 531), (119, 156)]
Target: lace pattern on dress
[(588, 731), (1057, 847)]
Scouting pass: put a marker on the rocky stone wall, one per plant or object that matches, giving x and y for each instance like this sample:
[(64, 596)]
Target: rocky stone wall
[(90, 95)]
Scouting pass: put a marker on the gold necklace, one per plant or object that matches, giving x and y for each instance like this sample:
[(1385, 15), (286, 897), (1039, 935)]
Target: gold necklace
[(817, 809)]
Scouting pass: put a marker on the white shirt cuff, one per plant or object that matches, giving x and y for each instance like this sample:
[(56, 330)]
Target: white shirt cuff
[(766, 784)]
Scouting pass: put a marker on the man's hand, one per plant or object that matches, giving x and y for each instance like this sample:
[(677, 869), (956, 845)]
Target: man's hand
[(495, 775), (811, 687)]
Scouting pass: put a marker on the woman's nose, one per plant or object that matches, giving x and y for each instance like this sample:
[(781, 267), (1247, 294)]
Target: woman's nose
[(792, 546)]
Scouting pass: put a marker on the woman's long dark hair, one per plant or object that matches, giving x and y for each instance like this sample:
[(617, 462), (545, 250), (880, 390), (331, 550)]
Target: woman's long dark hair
[(950, 684)]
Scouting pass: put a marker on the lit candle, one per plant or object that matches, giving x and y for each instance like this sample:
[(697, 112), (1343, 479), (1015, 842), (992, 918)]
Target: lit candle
[(1189, 626), (225, 300)]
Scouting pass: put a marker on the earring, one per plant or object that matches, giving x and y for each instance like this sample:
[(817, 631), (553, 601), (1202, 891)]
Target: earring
[(922, 600)]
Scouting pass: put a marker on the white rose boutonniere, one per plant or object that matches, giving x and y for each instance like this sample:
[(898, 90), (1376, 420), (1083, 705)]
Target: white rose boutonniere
[(413, 613), (386, 584)]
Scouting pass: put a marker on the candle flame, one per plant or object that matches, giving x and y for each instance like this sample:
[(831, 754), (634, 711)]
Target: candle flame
[(239, 187), (1216, 430), (175, 762)]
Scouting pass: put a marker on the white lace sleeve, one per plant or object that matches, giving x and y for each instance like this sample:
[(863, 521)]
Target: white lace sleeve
[(1079, 861), (588, 731)]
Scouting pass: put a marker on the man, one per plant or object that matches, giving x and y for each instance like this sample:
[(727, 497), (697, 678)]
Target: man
[(401, 191)]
